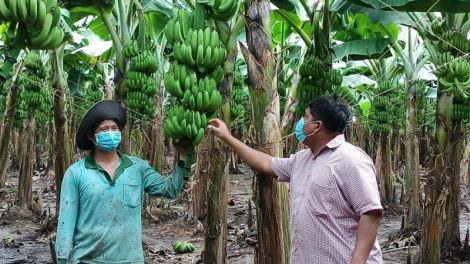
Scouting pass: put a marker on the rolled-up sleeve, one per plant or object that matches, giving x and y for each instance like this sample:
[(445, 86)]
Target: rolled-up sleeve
[(283, 167)]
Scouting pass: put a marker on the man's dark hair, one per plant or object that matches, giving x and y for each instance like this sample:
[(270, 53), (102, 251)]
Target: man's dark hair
[(332, 111)]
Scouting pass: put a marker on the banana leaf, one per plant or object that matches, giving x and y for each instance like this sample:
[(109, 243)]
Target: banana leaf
[(448, 6), (375, 16), (372, 48)]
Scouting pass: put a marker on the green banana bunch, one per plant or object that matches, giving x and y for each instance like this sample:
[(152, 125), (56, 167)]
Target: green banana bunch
[(33, 61), (144, 62), (316, 80), (313, 67), (222, 10), (179, 79), (181, 122), (203, 96), (131, 49), (460, 112), (203, 49), (238, 79), (141, 104), (33, 85), (453, 40), (387, 106), (30, 12), (142, 86), (182, 247), (238, 96), (41, 18), (438, 26), (178, 26)]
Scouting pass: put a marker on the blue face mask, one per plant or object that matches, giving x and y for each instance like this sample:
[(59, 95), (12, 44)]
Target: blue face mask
[(299, 130), (108, 141)]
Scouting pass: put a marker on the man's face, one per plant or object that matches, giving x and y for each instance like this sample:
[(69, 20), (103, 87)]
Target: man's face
[(311, 127), (105, 126)]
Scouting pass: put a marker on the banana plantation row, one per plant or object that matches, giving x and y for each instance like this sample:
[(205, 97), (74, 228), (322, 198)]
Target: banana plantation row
[(403, 70)]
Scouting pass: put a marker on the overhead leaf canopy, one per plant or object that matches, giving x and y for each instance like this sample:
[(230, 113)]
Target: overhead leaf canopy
[(448, 6)]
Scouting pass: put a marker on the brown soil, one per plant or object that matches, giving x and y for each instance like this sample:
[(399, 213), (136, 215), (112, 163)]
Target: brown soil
[(26, 239)]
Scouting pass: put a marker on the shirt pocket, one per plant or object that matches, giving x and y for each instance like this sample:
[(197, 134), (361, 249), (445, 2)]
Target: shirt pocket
[(132, 194), (321, 198)]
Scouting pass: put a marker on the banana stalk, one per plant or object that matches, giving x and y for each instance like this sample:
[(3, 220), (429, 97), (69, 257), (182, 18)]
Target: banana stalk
[(59, 88), (7, 125)]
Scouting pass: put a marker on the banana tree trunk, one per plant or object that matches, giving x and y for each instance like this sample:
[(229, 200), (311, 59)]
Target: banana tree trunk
[(62, 154), (465, 164), (6, 131), (158, 137), (215, 241), (384, 169), (451, 234), (262, 76), (38, 151), (24, 196), (51, 144), (200, 182), (73, 128), (412, 203), (436, 188)]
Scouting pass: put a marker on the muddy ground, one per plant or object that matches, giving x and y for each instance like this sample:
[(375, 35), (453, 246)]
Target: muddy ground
[(21, 243)]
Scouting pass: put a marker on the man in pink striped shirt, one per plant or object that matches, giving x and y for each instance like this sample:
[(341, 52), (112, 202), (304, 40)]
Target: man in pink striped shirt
[(335, 203)]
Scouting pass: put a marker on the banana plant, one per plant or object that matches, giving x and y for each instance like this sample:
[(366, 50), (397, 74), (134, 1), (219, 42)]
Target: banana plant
[(445, 47)]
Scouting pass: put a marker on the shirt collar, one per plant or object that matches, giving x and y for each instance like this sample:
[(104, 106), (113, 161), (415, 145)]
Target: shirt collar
[(334, 143), (90, 162)]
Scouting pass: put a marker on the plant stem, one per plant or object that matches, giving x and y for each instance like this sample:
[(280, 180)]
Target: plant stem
[(307, 9), (114, 36), (296, 28), (123, 21), (199, 21)]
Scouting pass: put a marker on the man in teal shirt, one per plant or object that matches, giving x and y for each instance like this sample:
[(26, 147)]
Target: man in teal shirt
[(101, 195)]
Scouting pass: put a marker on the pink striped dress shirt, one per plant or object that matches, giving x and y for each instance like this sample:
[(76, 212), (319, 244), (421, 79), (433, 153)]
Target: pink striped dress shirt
[(328, 194)]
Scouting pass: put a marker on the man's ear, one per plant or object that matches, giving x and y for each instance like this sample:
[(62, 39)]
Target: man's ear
[(90, 136)]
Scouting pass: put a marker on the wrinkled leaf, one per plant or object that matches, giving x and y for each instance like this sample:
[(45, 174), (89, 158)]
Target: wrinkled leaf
[(363, 49), (156, 22), (281, 31), (284, 5), (365, 106), (449, 6), (163, 6), (99, 28), (355, 80), (376, 16), (74, 81)]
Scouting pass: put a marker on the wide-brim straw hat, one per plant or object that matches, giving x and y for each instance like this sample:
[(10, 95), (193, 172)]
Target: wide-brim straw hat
[(100, 111)]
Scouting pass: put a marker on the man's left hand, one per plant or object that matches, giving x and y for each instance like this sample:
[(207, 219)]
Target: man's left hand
[(182, 146)]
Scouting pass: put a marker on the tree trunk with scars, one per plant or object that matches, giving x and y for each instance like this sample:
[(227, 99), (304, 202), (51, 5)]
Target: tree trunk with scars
[(262, 76), (384, 170), (451, 236), (6, 131), (412, 217), (200, 182), (62, 154), (436, 189), (24, 196)]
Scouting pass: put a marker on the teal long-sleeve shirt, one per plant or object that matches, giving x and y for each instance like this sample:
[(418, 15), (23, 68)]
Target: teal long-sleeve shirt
[(100, 217)]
